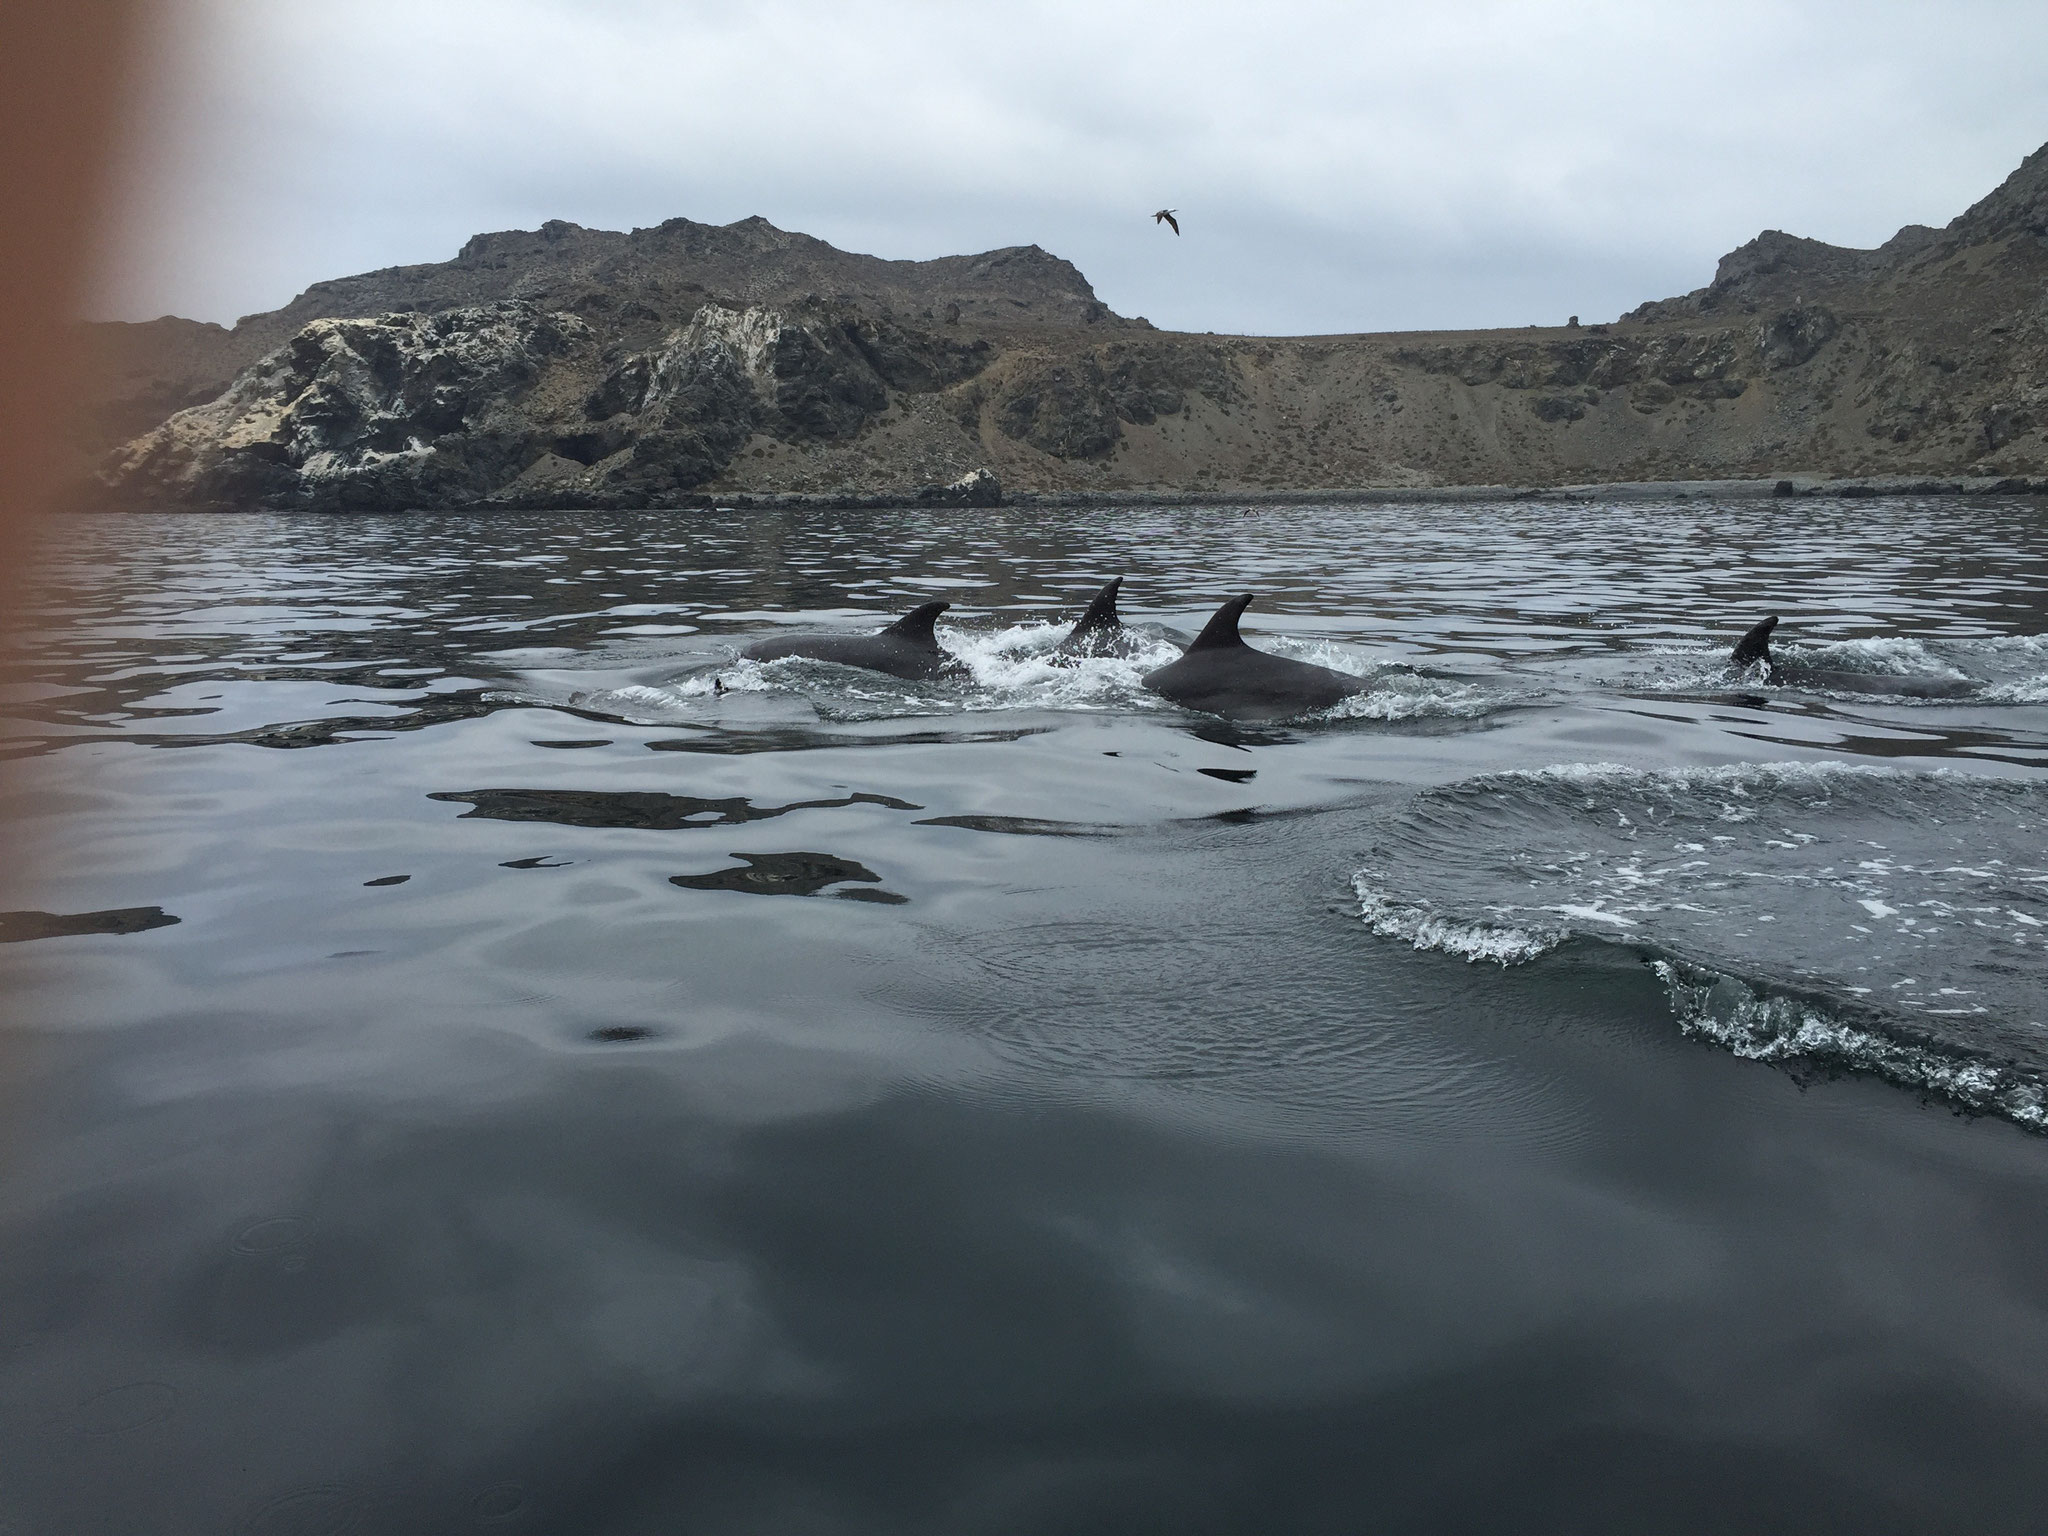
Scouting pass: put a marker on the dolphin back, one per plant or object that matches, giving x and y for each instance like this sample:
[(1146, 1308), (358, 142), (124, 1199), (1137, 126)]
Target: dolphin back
[(1756, 645), (1220, 633), (1101, 614), (907, 648), (1223, 676), (1098, 632), (915, 627)]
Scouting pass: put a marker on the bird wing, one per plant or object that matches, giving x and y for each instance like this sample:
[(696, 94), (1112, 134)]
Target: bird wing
[(1174, 222)]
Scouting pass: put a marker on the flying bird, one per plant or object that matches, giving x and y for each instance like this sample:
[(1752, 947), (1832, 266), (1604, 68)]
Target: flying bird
[(1166, 216)]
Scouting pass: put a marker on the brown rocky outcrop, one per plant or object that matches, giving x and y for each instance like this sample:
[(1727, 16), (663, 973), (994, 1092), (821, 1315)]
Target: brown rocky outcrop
[(566, 366), (511, 403)]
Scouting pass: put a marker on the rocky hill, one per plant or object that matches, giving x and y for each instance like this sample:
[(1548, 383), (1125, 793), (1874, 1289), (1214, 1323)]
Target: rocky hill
[(566, 367)]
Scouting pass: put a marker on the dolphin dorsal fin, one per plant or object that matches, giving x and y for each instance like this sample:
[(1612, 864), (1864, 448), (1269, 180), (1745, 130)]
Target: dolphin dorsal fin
[(1101, 612), (916, 625), (1756, 645), (1220, 633)]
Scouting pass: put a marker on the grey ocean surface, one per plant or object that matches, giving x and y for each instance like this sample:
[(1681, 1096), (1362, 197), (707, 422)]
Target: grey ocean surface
[(593, 1084)]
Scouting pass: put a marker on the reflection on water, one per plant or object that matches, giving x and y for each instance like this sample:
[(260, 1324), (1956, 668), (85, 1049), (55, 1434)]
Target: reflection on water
[(465, 1154), (16, 927), (1023, 826), (648, 810), (788, 874)]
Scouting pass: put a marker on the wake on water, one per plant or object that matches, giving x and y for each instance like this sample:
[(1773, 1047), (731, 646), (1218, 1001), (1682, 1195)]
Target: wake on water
[(2006, 669), (1827, 915), (1015, 668), (1841, 916)]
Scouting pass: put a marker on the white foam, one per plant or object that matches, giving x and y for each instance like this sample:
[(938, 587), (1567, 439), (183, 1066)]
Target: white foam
[(678, 699), (1594, 915), (1017, 668), (1988, 662), (1759, 869), (1402, 694), (1881, 655), (1425, 929), (2027, 690), (1738, 779), (1763, 1027)]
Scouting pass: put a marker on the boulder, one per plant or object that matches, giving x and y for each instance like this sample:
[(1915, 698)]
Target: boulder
[(976, 488)]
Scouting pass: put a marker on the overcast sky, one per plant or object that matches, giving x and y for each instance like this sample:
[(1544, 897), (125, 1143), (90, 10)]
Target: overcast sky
[(1338, 165)]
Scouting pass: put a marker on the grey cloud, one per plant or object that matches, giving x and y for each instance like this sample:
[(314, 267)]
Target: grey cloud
[(1337, 166)]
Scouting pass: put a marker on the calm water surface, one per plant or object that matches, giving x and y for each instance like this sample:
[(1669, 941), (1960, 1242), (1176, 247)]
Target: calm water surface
[(596, 1085)]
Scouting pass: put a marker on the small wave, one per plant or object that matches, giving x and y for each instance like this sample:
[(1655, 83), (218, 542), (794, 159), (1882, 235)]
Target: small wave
[(677, 700), (1915, 898), (1878, 656), (2027, 690), (1400, 693), (1418, 925), (1736, 778), (1997, 651), (1759, 1026), (1681, 669), (1997, 669)]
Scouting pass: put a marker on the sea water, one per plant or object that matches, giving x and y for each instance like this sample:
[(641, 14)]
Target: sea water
[(483, 1056)]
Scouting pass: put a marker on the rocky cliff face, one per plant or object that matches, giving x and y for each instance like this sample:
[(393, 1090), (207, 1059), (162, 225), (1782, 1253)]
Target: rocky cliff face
[(578, 367), (619, 281), (511, 403)]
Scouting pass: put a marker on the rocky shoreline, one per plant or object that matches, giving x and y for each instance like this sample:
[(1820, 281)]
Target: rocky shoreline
[(989, 494), (698, 365)]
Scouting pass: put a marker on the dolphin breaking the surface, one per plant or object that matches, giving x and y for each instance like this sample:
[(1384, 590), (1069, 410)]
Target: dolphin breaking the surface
[(907, 648), (1755, 646), (1224, 676), (1099, 631)]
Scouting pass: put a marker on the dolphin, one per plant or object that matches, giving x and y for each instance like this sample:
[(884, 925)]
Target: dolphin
[(1224, 676), (907, 648), (1755, 646), (1099, 632)]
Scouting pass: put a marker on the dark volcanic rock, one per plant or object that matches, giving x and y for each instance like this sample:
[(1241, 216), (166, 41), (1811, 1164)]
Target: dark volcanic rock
[(822, 384), (1072, 408), (402, 410), (913, 360), (570, 367), (1749, 269), (647, 279), (1060, 408), (2018, 207), (1147, 380), (454, 408), (2004, 422), (1689, 357), (748, 263), (1559, 408), (1792, 337)]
